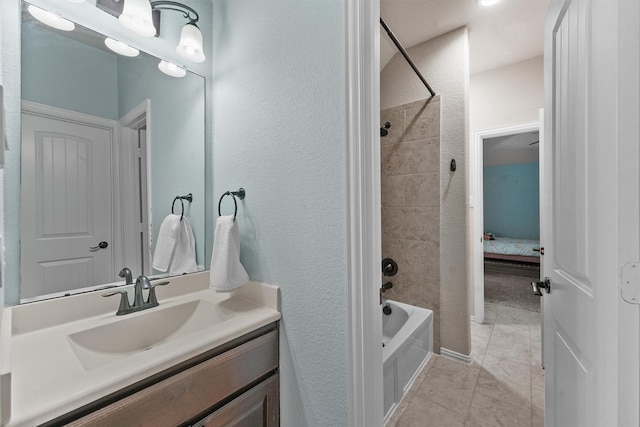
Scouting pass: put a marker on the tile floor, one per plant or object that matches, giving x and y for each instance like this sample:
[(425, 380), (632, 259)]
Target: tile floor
[(504, 386)]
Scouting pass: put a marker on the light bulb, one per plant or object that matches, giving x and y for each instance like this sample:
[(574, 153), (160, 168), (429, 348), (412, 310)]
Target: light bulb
[(487, 3)]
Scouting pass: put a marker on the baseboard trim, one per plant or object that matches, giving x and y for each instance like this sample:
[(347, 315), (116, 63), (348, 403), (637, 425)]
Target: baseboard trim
[(458, 357)]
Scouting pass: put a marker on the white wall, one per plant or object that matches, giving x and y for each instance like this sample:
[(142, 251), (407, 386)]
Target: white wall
[(444, 62), (280, 132), (506, 96)]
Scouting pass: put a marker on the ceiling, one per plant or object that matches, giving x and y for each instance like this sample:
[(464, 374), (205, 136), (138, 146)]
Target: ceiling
[(511, 149), (508, 32)]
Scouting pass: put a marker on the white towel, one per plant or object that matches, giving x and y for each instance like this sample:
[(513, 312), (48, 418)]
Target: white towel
[(227, 273), (176, 246)]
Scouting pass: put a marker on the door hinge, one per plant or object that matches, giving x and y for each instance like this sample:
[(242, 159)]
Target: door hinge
[(630, 285)]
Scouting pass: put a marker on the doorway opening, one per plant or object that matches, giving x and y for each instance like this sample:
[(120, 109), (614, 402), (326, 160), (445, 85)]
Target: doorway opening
[(506, 222)]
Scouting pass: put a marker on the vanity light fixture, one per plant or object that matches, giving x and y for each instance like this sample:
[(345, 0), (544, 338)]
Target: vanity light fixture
[(121, 48), (143, 17), (487, 3), (190, 46), (54, 20), (136, 16), (171, 69)]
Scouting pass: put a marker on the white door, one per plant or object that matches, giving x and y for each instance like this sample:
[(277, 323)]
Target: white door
[(583, 232), (66, 205)]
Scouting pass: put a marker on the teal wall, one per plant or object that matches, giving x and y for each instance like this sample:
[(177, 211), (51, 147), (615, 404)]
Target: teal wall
[(10, 72), (512, 200), (64, 73), (177, 152), (279, 131)]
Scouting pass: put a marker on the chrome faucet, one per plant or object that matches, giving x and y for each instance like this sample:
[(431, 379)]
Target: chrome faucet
[(139, 304), (126, 274)]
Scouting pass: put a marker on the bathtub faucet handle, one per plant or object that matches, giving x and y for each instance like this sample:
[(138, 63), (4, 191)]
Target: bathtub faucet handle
[(387, 286)]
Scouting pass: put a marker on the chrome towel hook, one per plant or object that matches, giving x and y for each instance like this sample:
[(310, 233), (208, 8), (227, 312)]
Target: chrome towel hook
[(241, 193)]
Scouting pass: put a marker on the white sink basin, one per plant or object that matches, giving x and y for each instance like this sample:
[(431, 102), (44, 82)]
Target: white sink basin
[(141, 331)]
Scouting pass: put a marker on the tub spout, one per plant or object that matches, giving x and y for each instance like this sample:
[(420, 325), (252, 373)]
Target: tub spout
[(384, 288)]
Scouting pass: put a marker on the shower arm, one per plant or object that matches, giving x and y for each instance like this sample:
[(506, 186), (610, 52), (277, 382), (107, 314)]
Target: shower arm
[(406, 55)]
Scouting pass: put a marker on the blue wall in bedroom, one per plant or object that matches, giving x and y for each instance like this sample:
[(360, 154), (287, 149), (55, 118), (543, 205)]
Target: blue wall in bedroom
[(512, 200)]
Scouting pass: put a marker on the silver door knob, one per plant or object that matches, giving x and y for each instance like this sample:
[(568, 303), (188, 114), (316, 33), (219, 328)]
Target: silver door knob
[(546, 285), (101, 245)]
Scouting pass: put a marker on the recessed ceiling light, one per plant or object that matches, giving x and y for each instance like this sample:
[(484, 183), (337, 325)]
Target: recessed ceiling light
[(487, 3), (172, 69), (54, 20), (121, 48)]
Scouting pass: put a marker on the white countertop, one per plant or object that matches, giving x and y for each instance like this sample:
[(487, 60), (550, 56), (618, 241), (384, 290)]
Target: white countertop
[(48, 380)]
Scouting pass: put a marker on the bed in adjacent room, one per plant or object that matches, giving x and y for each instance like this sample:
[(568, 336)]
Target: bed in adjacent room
[(510, 249)]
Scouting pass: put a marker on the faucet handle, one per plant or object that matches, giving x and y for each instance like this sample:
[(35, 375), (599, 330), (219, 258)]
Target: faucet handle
[(152, 300), (124, 301)]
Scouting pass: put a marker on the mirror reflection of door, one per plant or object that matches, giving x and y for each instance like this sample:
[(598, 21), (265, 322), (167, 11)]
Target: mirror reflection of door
[(67, 201)]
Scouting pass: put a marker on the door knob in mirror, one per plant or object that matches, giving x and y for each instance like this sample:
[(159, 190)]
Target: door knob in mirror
[(101, 245)]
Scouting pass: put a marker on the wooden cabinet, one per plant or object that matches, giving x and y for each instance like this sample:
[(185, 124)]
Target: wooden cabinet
[(233, 386), (258, 407)]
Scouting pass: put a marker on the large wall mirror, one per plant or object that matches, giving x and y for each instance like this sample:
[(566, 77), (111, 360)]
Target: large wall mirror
[(108, 144)]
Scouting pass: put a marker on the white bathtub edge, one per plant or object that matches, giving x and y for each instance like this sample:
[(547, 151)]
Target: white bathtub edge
[(413, 322), (458, 357), (409, 385)]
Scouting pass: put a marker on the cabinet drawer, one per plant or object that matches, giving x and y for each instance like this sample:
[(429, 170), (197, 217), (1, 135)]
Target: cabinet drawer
[(177, 399), (258, 407)]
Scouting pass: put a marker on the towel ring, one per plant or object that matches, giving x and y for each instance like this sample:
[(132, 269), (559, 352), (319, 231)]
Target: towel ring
[(188, 198), (181, 204), (235, 204)]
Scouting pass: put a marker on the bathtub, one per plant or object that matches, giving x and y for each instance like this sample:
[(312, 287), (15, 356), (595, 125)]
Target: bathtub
[(407, 337)]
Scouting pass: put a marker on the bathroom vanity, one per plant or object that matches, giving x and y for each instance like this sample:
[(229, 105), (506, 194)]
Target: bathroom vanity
[(200, 358)]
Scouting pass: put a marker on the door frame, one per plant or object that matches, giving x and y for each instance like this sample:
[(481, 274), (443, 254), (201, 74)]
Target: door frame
[(477, 225), (129, 125), (363, 216)]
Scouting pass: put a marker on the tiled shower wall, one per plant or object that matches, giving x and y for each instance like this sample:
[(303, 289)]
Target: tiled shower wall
[(410, 166)]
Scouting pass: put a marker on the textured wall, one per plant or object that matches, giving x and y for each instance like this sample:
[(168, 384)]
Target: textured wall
[(444, 61), (512, 200), (279, 132), (506, 96), (410, 178)]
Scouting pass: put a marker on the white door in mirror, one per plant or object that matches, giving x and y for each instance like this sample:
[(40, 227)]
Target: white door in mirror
[(67, 205)]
